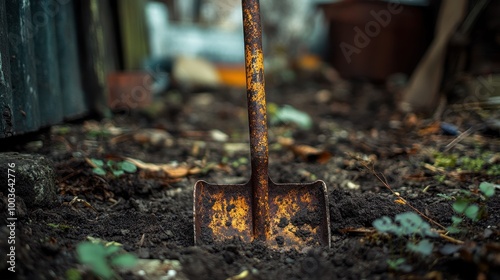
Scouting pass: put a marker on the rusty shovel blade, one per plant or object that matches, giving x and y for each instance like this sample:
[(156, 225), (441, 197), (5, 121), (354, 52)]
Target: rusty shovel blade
[(299, 214), (290, 215)]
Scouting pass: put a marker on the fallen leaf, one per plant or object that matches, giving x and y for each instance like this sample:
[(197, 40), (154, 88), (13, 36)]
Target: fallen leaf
[(433, 128), (400, 201), (305, 152), (153, 136), (102, 128), (171, 170), (243, 275)]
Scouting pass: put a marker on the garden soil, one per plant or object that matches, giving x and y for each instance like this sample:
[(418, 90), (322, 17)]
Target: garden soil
[(352, 140)]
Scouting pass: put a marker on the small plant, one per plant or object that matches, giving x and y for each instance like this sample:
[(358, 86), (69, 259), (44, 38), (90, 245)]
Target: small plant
[(446, 161), (398, 264), (482, 163), (470, 206), (472, 164), (73, 274), (60, 226), (410, 228), (117, 168), (445, 196), (103, 259), (440, 178)]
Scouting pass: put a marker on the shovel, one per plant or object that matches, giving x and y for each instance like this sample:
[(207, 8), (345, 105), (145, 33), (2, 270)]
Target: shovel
[(289, 216)]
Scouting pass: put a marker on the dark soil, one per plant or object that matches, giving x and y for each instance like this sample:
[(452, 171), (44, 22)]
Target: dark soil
[(151, 214)]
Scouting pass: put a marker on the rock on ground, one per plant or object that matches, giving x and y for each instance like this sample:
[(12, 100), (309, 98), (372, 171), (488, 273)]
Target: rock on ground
[(34, 178)]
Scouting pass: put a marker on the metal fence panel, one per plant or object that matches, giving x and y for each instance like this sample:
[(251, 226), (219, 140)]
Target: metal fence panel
[(6, 120), (44, 61), (67, 48), (23, 78)]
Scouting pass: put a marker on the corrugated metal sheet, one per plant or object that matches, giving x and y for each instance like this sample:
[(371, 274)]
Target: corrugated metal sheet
[(44, 60)]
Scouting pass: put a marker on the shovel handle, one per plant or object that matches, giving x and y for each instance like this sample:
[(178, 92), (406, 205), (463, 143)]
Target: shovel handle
[(256, 99)]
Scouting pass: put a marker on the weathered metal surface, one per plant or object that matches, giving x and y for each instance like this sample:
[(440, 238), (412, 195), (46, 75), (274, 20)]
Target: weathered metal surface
[(40, 75), (46, 63), (281, 215), (25, 111), (256, 99), (6, 118), (299, 214), (73, 97), (98, 51)]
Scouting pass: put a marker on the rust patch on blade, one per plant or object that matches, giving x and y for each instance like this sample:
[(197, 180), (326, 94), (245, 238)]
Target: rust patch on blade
[(300, 215), (222, 212)]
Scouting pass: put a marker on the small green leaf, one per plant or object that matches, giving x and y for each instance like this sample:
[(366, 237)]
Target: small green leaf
[(488, 189), (410, 222), (288, 114), (384, 224), (118, 173), (445, 196), (124, 260), (456, 220), (424, 247), (472, 212), (94, 255), (73, 274), (111, 164), (449, 249), (90, 252), (111, 249), (394, 264), (453, 230), (128, 167), (460, 205), (52, 225), (99, 171), (102, 269), (97, 162), (428, 231)]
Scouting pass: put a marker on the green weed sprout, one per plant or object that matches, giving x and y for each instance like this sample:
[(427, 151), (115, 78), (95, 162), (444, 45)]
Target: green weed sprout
[(470, 206), (117, 168), (103, 259), (398, 264), (407, 226)]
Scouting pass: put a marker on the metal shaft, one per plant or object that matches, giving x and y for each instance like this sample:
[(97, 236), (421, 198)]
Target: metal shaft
[(256, 99)]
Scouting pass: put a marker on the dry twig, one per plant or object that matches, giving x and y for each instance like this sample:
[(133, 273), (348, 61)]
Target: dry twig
[(400, 200)]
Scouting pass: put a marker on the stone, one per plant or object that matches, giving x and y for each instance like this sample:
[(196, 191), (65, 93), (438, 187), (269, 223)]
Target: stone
[(34, 178)]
